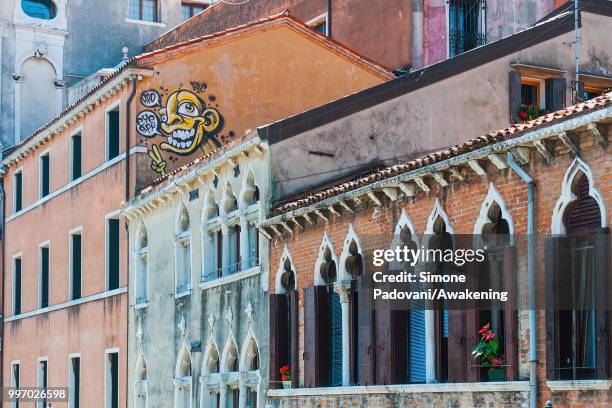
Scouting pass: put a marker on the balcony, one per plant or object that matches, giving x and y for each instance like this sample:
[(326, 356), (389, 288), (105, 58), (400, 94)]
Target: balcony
[(230, 269)]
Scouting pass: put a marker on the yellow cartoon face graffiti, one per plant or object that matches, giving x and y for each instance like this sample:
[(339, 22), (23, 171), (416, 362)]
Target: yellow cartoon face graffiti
[(188, 124)]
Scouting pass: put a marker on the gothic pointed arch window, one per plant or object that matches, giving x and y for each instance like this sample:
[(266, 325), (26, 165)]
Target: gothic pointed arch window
[(141, 260), (250, 365), (284, 324), (210, 376), (229, 365), (182, 244), (577, 258), (183, 379)]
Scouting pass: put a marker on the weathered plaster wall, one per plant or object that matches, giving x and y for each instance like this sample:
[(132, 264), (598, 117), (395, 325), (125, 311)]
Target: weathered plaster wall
[(251, 79), (444, 113)]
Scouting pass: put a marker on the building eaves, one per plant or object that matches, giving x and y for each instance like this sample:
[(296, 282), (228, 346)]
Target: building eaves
[(503, 139)]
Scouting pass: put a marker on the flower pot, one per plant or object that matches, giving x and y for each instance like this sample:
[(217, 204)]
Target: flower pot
[(286, 385), (496, 374)]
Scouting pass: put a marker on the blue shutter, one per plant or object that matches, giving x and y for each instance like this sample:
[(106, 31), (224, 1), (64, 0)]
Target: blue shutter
[(335, 341), (417, 346)]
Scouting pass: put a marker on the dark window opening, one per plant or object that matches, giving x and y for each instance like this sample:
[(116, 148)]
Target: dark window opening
[(44, 277), (76, 266), (18, 191), (113, 254), (43, 380), (44, 176), (190, 10), (76, 161), (113, 370), (75, 382), (530, 94), (321, 27), (42, 9), (112, 148), (17, 287), (467, 29), (16, 382)]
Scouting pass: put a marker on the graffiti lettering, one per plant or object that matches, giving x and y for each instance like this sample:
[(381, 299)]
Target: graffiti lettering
[(147, 123), (150, 98), (198, 86)]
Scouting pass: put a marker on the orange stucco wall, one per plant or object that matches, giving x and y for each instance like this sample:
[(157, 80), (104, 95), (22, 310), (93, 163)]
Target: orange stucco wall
[(254, 78), (94, 326)]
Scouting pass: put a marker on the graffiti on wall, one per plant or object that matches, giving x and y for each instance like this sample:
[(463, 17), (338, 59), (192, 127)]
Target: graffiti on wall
[(178, 123)]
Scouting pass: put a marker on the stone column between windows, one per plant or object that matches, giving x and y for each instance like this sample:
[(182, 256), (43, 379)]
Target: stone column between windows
[(222, 392), (225, 245), (244, 241), (343, 288), (205, 393), (242, 389), (430, 346)]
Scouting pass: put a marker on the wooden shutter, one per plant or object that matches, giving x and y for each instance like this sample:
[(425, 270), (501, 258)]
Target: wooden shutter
[(309, 355), (76, 267), (555, 94), (316, 332), (515, 95), (556, 253), (510, 315), (45, 182), (113, 134), (113, 254), (278, 332), (366, 335), (399, 346), (76, 157), (602, 272), (353, 332), (44, 292), (473, 272), (457, 363), (293, 332), (384, 367)]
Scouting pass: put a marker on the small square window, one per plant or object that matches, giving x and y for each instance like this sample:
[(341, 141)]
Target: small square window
[(145, 10)]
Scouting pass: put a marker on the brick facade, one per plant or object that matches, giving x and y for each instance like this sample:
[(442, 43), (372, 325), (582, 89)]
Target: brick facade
[(462, 202)]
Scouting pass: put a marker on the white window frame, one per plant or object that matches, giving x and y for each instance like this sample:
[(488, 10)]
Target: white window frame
[(71, 386), (115, 215), (113, 106), (39, 404), (45, 153), (158, 23), (318, 20), (13, 385), (45, 244), (107, 385), (75, 231), (18, 170), (181, 239), (19, 256), (77, 131)]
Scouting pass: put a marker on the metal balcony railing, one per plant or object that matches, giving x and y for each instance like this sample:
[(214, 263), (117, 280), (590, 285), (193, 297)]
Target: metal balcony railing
[(230, 269)]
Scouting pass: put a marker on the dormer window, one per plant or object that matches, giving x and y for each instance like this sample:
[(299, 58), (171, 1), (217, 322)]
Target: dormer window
[(41, 9)]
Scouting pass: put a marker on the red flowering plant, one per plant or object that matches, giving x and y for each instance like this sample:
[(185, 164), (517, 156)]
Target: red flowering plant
[(285, 373), (487, 349), (529, 112)]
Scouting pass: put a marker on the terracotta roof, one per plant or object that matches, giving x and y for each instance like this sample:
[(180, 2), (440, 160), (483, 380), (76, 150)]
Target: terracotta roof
[(447, 153), (139, 61)]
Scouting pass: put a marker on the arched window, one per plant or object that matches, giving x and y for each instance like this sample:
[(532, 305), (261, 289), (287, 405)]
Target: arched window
[(182, 379), (579, 262), (38, 94), (141, 386), (229, 203), (182, 246), (141, 258), (284, 324), (41, 9), (250, 191), (230, 364), (210, 396)]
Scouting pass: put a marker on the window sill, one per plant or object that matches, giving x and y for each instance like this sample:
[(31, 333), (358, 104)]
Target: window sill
[(144, 22), (502, 386), (579, 385), (139, 306), (231, 278), (183, 294)]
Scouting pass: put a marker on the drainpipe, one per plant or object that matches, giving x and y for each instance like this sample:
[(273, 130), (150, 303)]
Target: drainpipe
[(533, 384), (3, 266), (127, 233), (417, 34)]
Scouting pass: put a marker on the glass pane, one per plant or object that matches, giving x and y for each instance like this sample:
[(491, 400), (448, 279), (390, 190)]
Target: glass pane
[(43, 9), (149, 10)]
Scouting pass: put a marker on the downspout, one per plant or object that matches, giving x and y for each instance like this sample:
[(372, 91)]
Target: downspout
[(3, 266), (127, 234), (533, 384)]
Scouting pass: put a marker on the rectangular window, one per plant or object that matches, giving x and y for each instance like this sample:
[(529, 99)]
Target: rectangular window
[(234, 249), (112, 134), (253, 246), (112, 380), (75, 157), (45, 181), (146, 10), (18, 191), (42, 381), (76, 265), (44, 277), (112, 253), (16, 286), (183, 266), (74, 398), (189, 10), (219, 251), (466, 24), (15, 382)]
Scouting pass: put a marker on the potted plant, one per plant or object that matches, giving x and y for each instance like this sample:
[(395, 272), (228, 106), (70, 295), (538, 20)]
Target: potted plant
[(285, 373), (529, 112), (486, 351)]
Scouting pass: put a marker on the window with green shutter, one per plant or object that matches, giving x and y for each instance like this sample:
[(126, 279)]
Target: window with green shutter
[(44, 277), (113, 253), (44, 175), (18, 191), (76, 160), (112, 137)]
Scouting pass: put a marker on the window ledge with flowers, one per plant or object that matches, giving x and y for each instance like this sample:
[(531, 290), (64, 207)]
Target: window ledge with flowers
[(486, 351)]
